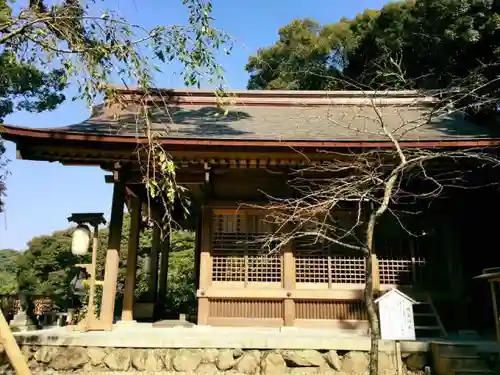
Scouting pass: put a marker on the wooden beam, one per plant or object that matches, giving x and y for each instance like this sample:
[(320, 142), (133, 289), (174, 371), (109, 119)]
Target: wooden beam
[(133, 244), (206, 256), (113, 255), (205, 266), (80, 164), (139, 191), (495, 309), (19, 153), (153, 263), (181, 178), (8, 341), (263, 293), (197, 249), (289, 284), (163, 287), (245, 322)]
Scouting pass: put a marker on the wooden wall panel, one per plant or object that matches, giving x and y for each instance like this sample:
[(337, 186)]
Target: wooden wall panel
[(253, 309), (330, 310)]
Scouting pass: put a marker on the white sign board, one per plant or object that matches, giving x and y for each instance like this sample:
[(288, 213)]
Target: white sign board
[(396, 316)]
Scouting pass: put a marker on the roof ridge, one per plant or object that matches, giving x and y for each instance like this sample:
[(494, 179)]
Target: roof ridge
[(274, 97), (276, 93)]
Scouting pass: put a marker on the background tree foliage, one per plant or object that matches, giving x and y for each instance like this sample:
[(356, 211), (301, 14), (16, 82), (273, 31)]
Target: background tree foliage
[(45, 46), (8, 271), (48, 266), (418, 44)]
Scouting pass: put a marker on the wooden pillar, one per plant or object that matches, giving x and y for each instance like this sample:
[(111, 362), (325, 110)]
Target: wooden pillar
[(162, 290), (205, 266), (495, 308), (133, 244), (289, 284), (113, 254), (153, 263), (197, 250)]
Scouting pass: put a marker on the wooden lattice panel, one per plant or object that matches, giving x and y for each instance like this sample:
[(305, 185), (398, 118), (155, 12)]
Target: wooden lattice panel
[(331, 310), (321, 269), (237, 253), (317, 263), (264, 268), (400, 271), (311, 269), (239, 308), (228, 261), (401, 260), (347, 270)]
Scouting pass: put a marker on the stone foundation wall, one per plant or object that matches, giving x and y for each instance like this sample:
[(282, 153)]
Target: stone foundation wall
[(49, 359)]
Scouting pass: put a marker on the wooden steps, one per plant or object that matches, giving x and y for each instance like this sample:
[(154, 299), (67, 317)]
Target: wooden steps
[(428, 324), (459, 359)]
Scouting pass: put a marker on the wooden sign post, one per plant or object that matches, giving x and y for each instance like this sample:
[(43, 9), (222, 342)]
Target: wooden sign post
[(396, 320)]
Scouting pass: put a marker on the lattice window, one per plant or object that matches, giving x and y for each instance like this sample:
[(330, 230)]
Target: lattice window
[(347, 270), (237, 250), (311, 268), (316, 262), (322, 262), (401, 271), (228, 262), (400, 259)]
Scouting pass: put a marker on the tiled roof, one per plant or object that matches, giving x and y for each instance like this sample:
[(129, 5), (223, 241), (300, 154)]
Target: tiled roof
[(280, 115)]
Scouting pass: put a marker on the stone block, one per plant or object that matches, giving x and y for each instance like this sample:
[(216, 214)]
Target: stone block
[(273, 364), (118, 359), (355, 362), (303, 358), (186, 360), (225, 360), (248, 363), (333, 360)]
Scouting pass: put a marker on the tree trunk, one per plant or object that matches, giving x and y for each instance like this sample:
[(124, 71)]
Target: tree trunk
[(371, 308), (369, 292)]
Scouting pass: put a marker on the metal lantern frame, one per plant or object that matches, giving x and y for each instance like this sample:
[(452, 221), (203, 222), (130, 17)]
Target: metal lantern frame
[(90, 322)]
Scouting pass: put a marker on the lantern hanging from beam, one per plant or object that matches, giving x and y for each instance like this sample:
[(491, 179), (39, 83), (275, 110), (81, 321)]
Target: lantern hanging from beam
[(80, 246), (81, 240)]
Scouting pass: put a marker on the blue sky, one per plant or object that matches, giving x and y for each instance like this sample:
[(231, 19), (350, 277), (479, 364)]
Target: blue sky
[(42, 195)]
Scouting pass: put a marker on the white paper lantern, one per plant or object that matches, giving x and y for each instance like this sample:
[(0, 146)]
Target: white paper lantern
[(81, 240)]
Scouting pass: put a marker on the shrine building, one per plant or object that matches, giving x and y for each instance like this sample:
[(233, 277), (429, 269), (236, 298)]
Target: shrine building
[(233, 156)]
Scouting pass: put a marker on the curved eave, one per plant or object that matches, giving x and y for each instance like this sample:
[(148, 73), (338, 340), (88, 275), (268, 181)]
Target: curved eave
[(22, 134)]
